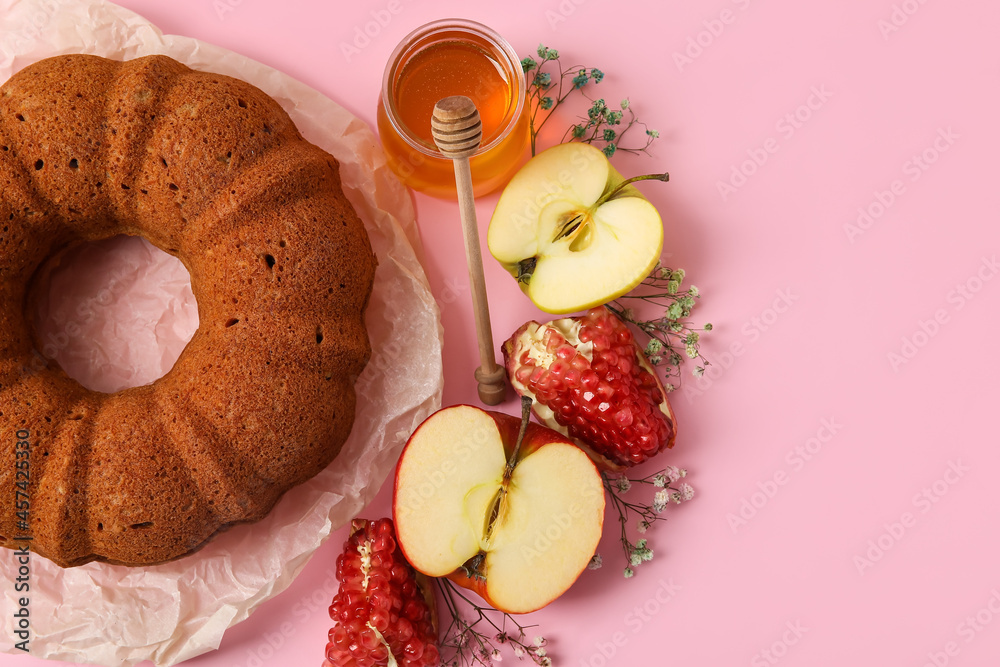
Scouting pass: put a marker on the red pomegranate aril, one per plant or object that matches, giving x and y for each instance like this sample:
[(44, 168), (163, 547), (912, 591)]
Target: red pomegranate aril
[(377, 586), (598, 386)]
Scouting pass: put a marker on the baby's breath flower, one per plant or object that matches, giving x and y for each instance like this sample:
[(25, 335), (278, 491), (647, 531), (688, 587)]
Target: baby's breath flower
[(546, 103), (694, 291), (542, 79), (609, 134), (691, 351), (629, 573), (673, 473), (698, 371), (578, 131), (528, 64), (660, 500), (595, 563), (518, 651), (609, 150), (660, 480), (655, 360), (623, 484), (624, 103), (580, 80), (597, 74), (496, 656), (708, 327), (545, 662), (653, 347), (653, 133), (540, 641), (643, 525), (635, 559), (686, 491)]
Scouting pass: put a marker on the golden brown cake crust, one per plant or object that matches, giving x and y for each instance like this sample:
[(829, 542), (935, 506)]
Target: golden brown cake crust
[(212, 170)]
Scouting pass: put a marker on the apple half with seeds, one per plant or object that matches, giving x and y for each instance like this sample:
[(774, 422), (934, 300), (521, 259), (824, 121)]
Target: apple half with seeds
[(509, 509), (572, 231)]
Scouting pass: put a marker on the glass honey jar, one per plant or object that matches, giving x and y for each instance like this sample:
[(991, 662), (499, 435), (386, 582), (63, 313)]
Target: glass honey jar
[(443, 58)]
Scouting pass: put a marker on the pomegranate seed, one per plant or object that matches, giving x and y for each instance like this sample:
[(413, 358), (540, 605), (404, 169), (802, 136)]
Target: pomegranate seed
[(610, 401)]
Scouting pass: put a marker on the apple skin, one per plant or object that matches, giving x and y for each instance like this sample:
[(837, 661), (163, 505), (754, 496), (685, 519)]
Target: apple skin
[(556, 184), (535, 438)]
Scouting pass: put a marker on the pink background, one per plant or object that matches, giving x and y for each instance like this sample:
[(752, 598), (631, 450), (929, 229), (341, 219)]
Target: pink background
[(880, 99)]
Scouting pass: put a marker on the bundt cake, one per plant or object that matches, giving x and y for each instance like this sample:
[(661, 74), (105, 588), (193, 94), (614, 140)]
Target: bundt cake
[(212, 170)]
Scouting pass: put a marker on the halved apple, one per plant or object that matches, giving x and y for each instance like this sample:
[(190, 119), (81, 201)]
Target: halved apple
[(516, 523), (573, 231)]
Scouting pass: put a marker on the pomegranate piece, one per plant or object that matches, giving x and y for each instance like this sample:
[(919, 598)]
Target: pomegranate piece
[(383, 614), (591, 381)]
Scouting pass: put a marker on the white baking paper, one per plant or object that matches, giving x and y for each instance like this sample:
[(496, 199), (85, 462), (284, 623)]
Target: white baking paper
[(113, 615)]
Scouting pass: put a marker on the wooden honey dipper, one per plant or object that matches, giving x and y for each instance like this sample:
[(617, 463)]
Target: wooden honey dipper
[(457, 131)]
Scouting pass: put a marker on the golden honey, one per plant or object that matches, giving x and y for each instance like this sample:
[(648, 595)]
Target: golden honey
[(452, 57)]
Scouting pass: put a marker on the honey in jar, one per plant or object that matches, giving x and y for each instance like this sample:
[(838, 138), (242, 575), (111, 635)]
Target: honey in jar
[(441, 59)]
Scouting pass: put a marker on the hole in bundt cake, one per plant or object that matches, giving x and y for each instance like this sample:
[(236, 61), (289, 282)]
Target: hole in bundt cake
[(100, 526), (144, 524), (319, 335), (270, 261), (282, 243), (173, 186), (39, 164), (231, 322), (243, 105), (125, 187), (74, 164), (20, 117), (113, 314), (163, 161), (267, 130)]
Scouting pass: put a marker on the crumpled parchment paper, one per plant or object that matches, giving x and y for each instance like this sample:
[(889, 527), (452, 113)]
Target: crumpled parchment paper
[(114, 615)]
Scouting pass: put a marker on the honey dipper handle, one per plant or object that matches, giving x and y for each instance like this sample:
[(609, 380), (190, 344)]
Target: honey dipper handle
[(457, 132)]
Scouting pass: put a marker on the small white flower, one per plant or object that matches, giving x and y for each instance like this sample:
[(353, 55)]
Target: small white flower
[(623, 484), (628, 573), (545, 662), (495, 656), (686, 490), (595, 563), (518, 651), (660, 480), (540, 652), (660, 500), (672, 473), (540, 641), (635, 559), (643, 525)]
